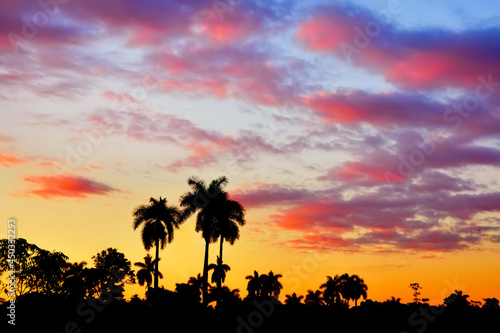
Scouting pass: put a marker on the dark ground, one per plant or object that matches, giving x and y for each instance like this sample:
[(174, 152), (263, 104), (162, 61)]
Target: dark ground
[(39, 313)]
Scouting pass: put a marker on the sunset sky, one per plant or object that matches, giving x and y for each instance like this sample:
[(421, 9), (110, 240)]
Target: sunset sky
[(362, 137)]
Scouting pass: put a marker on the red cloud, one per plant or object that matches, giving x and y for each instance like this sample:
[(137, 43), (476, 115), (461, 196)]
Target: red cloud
[(9, 160), (307, 216), (66, 186)]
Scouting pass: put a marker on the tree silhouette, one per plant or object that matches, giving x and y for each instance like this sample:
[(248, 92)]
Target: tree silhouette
[(182, 306), (188, 293), (146, 272), (224, 296), (50, 268), (457, 300), (416, 293), (264, 285), (229, 215), (490, 303), (220, 269), (293, 299), (332, 289), (200, 199), (254, 284), (111, 266), (314, 298), (394, 300), (271, 285), (37, 270), (74, 284), (196, 282), (353, 288), (159, 221)]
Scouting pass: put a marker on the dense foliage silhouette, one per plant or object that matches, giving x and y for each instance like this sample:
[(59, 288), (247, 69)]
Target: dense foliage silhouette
[(56, 295)]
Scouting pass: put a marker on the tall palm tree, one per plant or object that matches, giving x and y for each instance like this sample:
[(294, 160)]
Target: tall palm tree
[(229, 215), (354, 287), (146, 273), (313, 298), (220, 269), (254, 284), (201, 199), (159, 221), (332, 289)]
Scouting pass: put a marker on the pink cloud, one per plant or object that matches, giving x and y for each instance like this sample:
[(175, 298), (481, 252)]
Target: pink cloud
[(66, 186), (212, 87), (426, 59), (361, 174), (204, 147), (234, 25), (269, 195), (381, 109), (242, 72), (325, 31), (387, 214)]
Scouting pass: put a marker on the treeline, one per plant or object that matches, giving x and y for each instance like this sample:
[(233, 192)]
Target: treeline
[(55, 295)]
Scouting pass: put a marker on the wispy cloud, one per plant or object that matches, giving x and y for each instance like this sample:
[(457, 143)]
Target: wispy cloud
[(65, 186)]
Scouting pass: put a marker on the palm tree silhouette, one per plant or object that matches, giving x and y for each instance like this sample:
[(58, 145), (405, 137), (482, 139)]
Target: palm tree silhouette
[(146, 273), (225, 295), (220, 269), (200, 199), (74, 281), (313, 298), (273, 286), (293, 299), (332, 289), (228, 215), (354, 287), (196, 282), (254, 284), (159, 221), (394, 300)]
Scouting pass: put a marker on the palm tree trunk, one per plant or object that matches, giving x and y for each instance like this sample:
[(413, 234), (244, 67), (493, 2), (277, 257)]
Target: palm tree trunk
[(156, 263), (205, 274), (219, 281)]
